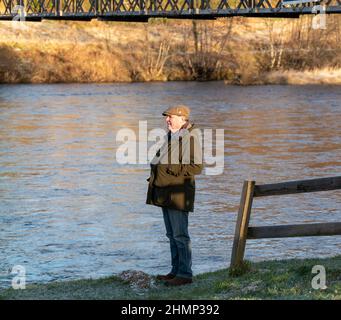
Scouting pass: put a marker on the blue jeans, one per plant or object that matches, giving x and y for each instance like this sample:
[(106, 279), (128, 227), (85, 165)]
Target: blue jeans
[(176, 223)]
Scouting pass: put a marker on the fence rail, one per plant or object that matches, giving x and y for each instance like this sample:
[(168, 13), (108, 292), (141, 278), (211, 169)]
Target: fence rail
[(251, 190)]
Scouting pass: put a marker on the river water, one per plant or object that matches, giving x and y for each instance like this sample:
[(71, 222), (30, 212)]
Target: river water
[(70, 211)]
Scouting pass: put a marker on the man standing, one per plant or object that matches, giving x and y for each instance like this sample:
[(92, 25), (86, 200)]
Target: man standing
[(172, 187)]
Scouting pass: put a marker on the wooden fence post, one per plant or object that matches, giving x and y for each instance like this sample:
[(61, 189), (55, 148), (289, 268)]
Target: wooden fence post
[(242, 224)]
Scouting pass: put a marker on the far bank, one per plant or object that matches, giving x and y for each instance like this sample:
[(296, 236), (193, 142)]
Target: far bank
[(242, 51)]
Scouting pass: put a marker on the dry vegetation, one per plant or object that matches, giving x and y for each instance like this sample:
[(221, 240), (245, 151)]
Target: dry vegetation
[(237, 50)]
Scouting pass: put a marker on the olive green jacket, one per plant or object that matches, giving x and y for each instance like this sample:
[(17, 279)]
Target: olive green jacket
[(171, 182)]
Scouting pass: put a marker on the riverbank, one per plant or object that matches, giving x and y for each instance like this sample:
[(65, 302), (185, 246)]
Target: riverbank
[(326, 76), (285, 279), (237, 50)]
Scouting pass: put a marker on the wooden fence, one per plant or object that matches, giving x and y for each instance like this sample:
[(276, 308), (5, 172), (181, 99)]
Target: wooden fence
[(251, 190)]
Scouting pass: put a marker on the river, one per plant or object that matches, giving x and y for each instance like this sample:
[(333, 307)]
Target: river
[(69, 210)]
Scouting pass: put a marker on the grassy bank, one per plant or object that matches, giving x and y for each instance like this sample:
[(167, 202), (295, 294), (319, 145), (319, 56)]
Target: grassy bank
[(286, 279), (237, 50)]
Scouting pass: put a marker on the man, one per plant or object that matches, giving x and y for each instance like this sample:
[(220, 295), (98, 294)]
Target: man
[(172, 187)]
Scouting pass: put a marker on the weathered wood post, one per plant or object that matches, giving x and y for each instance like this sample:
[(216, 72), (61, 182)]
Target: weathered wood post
[(242, 224)]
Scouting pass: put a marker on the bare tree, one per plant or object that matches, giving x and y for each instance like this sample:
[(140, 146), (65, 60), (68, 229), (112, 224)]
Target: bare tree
[(206, 60)]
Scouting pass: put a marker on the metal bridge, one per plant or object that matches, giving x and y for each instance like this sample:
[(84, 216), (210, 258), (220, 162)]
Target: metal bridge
[(142, 10)]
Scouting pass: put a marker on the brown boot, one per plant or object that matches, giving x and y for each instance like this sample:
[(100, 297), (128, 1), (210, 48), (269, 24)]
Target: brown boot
[(166, 277), (178, 281)]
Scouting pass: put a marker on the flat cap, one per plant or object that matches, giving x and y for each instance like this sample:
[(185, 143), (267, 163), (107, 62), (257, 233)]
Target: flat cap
[(179, 110)]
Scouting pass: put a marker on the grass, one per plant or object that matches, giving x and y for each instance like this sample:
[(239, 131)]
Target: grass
[(283, 280)]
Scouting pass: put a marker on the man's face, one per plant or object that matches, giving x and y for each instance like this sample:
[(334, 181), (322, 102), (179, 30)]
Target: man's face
[(174, 123)]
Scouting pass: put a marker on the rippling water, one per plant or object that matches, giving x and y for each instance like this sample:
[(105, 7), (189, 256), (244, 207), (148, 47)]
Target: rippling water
[(69, 210)]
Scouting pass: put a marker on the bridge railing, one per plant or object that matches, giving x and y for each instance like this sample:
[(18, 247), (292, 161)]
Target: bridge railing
[(145, 7), (251, 190)]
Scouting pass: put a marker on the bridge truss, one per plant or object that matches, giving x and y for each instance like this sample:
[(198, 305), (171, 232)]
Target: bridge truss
[(142, 10)]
